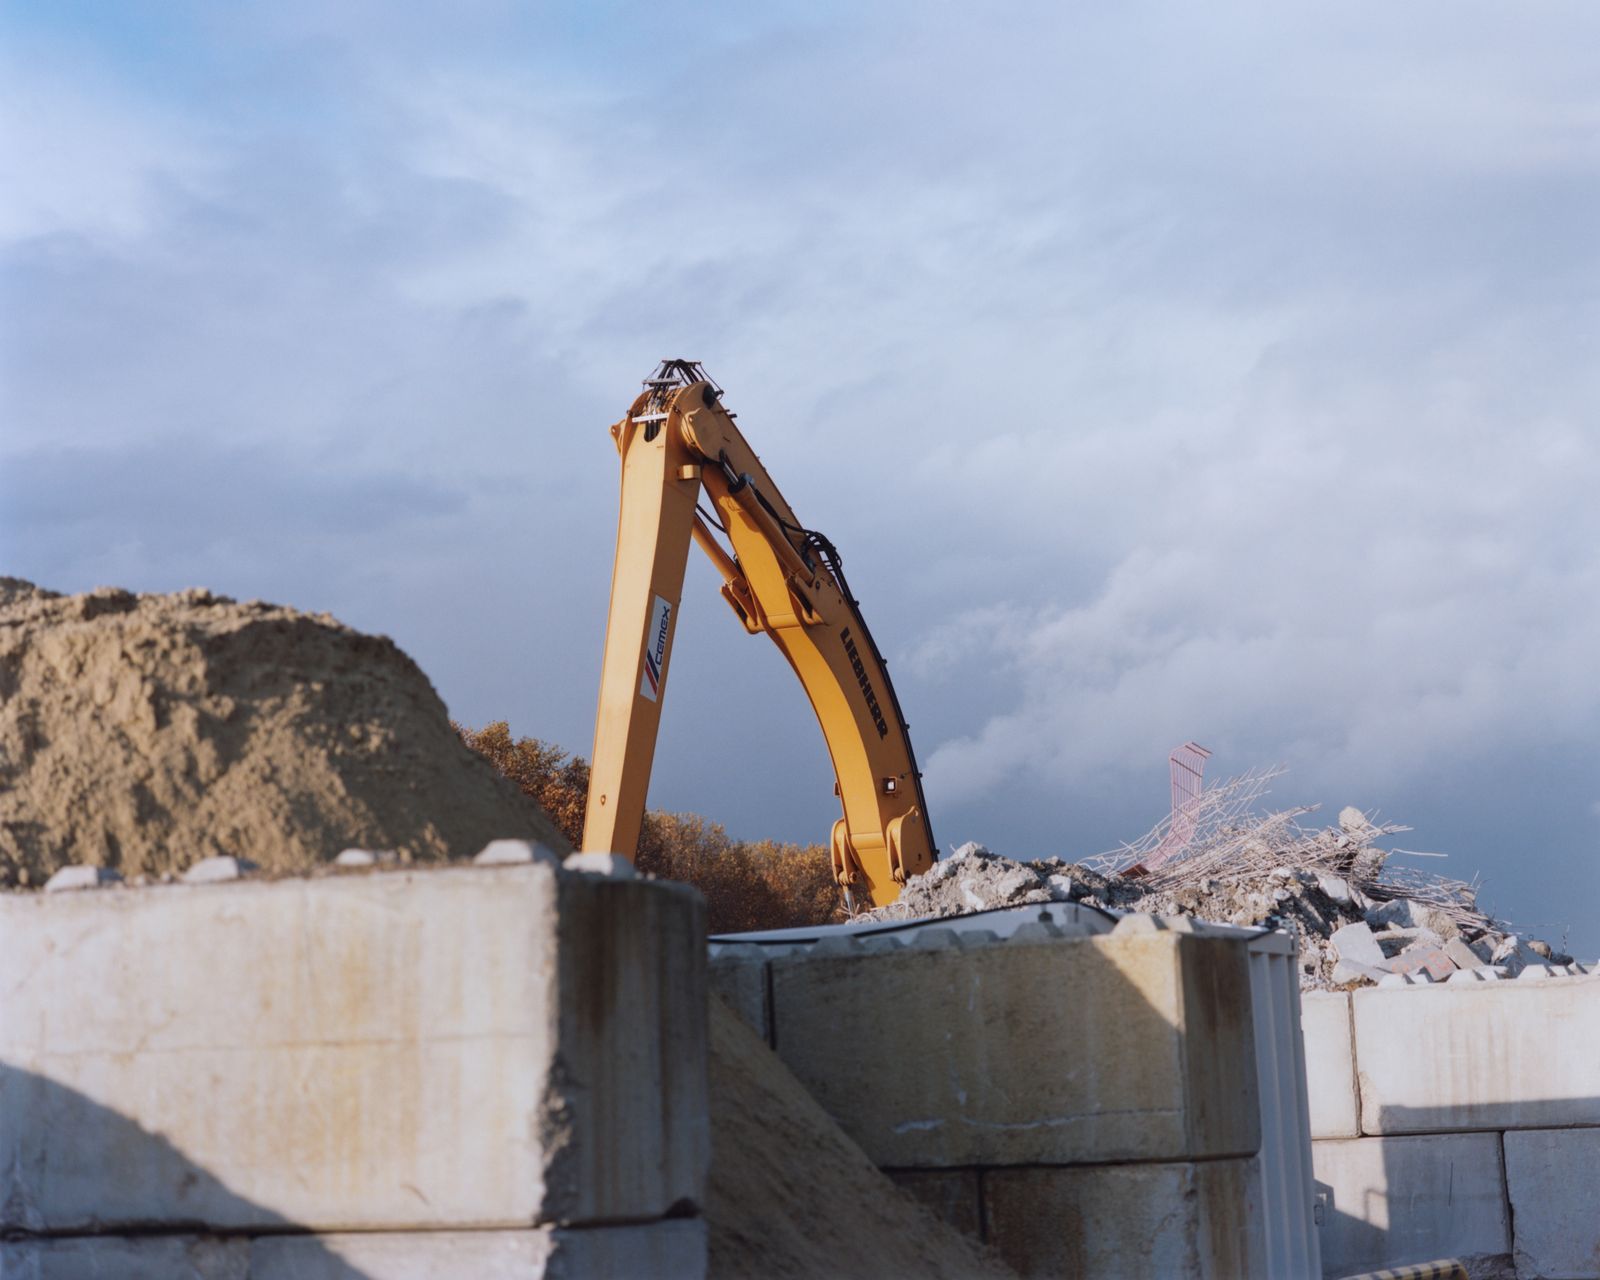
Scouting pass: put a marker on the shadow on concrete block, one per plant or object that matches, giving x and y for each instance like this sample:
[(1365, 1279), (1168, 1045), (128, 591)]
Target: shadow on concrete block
[(58, 1143), (1415, 1196)]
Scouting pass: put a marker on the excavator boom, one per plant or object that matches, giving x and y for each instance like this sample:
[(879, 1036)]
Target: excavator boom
[(677, 442)]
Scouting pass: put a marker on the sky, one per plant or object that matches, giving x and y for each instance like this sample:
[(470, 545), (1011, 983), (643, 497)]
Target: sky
[(1162, 373)]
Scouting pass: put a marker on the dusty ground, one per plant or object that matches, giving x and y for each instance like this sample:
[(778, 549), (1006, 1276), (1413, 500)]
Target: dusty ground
[(144, 733), (792, 1198)]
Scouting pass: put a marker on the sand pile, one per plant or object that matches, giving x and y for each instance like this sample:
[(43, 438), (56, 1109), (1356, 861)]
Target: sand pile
[(144, 733), (792, 1198)]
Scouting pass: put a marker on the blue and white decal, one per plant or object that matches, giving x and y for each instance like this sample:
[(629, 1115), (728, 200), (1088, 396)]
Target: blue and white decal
[(655, 650)]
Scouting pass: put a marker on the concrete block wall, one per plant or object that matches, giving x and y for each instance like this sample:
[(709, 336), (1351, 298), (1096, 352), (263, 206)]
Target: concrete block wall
[(1086, 1102), (1459, 1119), (354, 1075)]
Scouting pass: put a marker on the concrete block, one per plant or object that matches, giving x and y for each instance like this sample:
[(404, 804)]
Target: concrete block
[(1391, 1201), (1118, 1047), (430, 1049), (953, 1194), (127, 1258), (671, 1250), (1200, 1220), (1330, 1064), (1550, 1174), (738, 974), (1478, 1055)]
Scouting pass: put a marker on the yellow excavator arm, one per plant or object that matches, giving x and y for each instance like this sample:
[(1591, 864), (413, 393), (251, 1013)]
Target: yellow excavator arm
[(782, 580)]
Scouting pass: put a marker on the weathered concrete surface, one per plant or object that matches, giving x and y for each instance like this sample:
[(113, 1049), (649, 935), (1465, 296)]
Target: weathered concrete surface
[(671, 1250), (953, 1194), (1054, 1051), (739, 975), (1330, 1064), (1479, 1055), (792, 1198), (452, 1048), (1391, 1201), (1551, 1176), (1108, 1222), (128, 1258)]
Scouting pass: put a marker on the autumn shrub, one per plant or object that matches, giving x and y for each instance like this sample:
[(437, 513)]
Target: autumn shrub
[(760, 884)]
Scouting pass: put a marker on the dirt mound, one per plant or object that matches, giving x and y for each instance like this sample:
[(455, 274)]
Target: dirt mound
[(147, 732), (792, 1198)]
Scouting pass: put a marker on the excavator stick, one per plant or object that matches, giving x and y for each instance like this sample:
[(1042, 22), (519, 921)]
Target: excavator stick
[(660, 485), (779, 578)]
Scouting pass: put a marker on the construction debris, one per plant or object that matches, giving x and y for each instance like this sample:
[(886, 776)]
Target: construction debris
[(1359, 917)]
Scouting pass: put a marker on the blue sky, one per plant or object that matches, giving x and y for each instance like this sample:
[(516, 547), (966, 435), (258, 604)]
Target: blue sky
[(1161, 374)]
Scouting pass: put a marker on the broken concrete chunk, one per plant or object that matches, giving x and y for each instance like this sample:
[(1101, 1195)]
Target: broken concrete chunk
[(216, 870), (611, 865), (1514, 955), (1060, 888), (1355, 943), (1463, 956), (81, 877), (500, 853), (1336, 887), (1394, 941), (1398, 913), (1423, 957), (1353, 971)]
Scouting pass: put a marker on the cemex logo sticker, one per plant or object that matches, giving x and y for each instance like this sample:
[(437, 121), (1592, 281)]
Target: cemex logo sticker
[(655, 650)]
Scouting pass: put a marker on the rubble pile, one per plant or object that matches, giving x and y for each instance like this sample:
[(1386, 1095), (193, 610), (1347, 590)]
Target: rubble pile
[(1357, 919)]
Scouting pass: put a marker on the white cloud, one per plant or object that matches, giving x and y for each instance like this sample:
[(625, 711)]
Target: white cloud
[(77, 160), (1160, 374)]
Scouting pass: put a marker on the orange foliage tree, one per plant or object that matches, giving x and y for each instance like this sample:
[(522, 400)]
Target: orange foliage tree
[(761, 884)]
